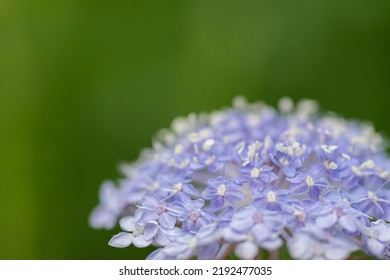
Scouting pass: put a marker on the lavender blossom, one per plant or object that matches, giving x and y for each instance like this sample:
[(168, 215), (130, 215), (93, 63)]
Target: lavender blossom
[(220, 190), (250, 179), (105, 215), (312, 243), (376, 238)]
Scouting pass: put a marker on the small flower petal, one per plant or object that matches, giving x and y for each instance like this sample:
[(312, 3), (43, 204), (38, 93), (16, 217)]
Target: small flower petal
[(140, 242), (151, 228), (121, 240), (246, 250)]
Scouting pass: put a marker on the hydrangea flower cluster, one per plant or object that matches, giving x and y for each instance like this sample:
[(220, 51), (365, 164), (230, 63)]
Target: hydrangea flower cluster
[(250, 179)]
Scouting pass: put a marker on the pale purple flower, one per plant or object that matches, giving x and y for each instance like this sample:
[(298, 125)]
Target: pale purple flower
[(271, 198), (252, 229), (222, 189), (251, 178), (316, 244), (310, 182), (155, 210), (105, 215), (258, 175), (374, 199), (179, 187), (186, 246), (376, 238), (286, 158), (338, 211), (191, 214), (141, 235), (299, 213)]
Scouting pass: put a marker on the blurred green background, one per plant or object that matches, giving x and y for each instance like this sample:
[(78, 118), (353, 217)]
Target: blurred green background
[(86, 84)]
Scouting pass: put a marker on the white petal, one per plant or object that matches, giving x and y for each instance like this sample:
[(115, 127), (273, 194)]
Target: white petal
[(272, 244), (101, 217), (348, 222), (127, 223), (156, 255), (384, 235), (107, 192), (121, 240), (232, 236), (246, 250), (140, 242), (336, 253), (375, 247), (301, 247)]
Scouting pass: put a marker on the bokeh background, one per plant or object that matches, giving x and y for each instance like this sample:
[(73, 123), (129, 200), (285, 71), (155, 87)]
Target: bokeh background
[(85, 85)]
